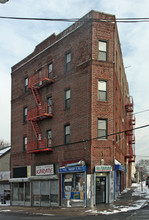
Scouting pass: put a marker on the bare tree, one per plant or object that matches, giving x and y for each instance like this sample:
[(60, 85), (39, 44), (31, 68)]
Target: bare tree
[(143, 166), (3, 144)]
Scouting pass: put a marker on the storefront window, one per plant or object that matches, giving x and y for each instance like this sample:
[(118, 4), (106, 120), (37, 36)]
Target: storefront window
[(44, 189), (15, 192), (27, 192), (68, 182), (21, 192), (36, 191), (74, 182), (79, 182), (54, 191)]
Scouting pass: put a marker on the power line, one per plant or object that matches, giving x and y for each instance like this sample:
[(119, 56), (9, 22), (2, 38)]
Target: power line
[(102, 137), (121, 20), (141, 112)]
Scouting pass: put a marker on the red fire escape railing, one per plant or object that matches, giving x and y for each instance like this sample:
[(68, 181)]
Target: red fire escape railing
[(130, 131), (129, 105), (38, 81), (36, 141)]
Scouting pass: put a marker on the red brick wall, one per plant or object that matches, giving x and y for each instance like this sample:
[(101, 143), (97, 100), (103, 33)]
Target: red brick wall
[(78, 116), (85, 108)]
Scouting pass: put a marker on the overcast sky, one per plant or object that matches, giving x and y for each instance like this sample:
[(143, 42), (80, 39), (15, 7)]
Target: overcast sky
[(19, 38)]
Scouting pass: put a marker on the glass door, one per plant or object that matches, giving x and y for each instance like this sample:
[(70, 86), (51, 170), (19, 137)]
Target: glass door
[(100, 190)]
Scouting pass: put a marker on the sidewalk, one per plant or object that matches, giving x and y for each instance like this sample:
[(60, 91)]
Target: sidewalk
[(130, 199)]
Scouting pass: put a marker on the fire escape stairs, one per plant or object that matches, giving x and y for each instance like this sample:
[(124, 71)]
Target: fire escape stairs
[(34, 116)]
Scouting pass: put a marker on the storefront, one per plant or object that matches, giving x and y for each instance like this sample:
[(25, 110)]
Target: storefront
[(39, 190), (74, 186), (104, 184), (119, 174)]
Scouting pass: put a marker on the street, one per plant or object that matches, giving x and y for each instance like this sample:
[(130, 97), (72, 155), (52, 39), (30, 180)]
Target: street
[(142, 214)]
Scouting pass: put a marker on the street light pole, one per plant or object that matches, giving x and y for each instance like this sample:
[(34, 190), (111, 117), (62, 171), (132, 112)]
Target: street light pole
[(141, 179)]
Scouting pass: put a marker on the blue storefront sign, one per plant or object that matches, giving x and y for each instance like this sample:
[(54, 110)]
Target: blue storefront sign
[(72, 169)]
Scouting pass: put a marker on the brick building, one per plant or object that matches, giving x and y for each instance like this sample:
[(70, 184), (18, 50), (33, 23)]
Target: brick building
[(70, 108)]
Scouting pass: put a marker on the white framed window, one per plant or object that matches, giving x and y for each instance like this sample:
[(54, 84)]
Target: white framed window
[(25, 115), (49, 138), (26, 84), (49, 101), (67, 134), (102, 128), (102, 90), (67, 98), (68, 61), (50, 70), (102, 50), (25, 143)]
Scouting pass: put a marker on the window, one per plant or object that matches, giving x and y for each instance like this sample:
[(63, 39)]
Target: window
[(40, 76), (74, 182), (102, 128), (25, 115), (49, 138), (102, 90), (67, 134), (50, 70), (102, 51), (26, 84), (68, 61), (24, 143), (49, 101), (67, 98)]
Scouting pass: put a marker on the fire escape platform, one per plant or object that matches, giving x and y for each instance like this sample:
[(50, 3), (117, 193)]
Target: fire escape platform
[(39, 150), (40, 83), (41, 117)]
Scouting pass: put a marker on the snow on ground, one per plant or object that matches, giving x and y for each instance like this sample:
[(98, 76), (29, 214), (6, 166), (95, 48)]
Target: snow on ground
[(139, 190), (7, 203)]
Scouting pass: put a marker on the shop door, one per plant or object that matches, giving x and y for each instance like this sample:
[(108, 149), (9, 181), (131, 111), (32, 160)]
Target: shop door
[(100, 190)]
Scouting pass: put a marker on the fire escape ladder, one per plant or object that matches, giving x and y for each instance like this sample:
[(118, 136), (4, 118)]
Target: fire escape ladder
[(38, 134), (38, 100), (36, 142)]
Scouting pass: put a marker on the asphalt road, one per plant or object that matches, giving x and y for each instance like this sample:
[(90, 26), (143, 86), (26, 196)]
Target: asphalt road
[(142, 214)]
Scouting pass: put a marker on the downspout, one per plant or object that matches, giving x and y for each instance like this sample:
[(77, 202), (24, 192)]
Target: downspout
[(113, 106)]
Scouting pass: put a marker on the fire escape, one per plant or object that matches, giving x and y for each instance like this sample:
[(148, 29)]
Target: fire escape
[(130, 131), (36, 141)]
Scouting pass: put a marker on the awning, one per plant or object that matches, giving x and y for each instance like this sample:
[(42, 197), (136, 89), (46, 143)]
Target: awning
[(120, 167)]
